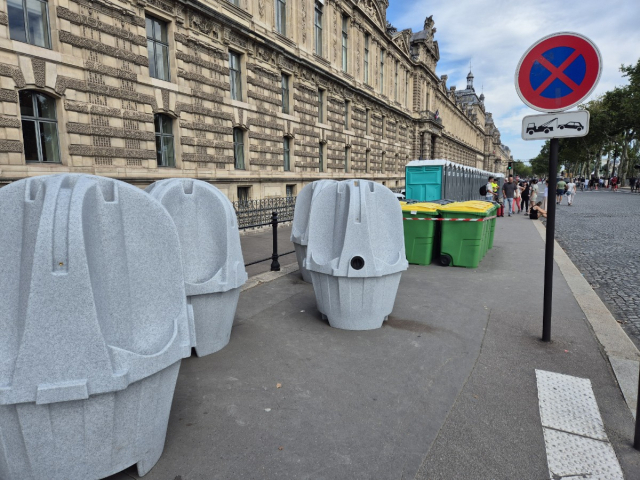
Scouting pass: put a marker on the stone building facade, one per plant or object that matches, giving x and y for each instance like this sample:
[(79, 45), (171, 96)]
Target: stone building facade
[(258, 97)]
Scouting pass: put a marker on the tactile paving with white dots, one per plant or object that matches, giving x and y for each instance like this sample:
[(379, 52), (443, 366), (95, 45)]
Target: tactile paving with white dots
[(572, 456), (574, 435), (567, 403)]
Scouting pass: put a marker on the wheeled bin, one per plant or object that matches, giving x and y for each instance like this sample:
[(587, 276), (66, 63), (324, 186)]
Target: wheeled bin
[(419, 231), (464, 237)]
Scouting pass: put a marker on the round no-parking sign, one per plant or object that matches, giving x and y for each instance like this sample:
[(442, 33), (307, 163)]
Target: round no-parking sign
[(558, 72)]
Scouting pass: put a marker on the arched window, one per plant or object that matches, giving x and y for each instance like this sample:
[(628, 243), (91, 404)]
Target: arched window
[(164, 141), (39, 127)]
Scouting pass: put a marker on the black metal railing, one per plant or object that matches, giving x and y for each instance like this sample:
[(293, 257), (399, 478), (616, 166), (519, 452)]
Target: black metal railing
[(260, 213), (257, 213)]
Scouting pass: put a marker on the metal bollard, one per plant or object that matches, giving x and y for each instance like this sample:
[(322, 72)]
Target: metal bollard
[(275, 265)]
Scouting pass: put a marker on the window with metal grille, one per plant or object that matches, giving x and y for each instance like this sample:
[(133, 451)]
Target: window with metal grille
[(347, 159), (99, 141), (158, 48), (281, 17), (287, 154), (321, 157), (285, 93), (235, 74), (367, 39), (238, 148), (345, 41), (29, 22), (318, 29), (39, 127), (164, 141)]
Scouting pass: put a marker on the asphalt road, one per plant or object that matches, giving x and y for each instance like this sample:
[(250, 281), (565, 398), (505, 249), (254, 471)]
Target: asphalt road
[(601, 235)]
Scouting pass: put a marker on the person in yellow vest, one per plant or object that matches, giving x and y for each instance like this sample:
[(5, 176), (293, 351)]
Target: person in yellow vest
[(494, 184)]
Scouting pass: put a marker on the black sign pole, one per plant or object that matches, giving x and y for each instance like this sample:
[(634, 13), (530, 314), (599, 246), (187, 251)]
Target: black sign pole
[(551, 228)]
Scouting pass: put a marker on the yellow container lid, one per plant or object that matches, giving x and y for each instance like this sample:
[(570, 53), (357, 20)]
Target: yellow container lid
[(423, 207), (472, 206)]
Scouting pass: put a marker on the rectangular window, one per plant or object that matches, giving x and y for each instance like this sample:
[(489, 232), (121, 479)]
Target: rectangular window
[(368, 122), (368, 161), (290, 191), (39, 127), (235, 2), (164, 141), (347, 114), (384, 127), (287, 154), (406, 88), (321, 157), (29, 22), (320, 106), (235, 76), (345, 42), (238, 148), (158, 48), (285, 93), (395, 84), (243, 194), (318, 30), (367, 38), (347, 159), (281, 17), (382, 72)]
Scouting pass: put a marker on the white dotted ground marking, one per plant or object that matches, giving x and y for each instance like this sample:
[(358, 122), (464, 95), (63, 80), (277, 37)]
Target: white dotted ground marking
[(574, 436)]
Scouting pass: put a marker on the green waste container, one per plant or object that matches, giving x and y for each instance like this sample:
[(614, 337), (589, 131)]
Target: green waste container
[(464, 243), (492, 222), (419, 231)]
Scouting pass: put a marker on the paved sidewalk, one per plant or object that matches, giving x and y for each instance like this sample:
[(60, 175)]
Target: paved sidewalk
[(258, 245), (445, 390)]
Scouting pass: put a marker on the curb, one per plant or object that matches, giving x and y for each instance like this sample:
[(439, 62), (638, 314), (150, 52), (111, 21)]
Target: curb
[(269, 276), (621, 352)]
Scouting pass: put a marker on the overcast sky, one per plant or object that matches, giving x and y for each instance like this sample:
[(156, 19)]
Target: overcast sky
[(493, 35)]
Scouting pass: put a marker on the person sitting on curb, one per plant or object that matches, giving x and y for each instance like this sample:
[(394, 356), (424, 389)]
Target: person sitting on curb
[(536, 211)]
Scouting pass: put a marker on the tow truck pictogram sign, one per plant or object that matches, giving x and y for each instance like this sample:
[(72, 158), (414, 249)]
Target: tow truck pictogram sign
[(556, 125), (558, 72)]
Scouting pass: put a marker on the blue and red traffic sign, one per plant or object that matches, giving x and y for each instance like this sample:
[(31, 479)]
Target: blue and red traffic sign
[(558, 72)]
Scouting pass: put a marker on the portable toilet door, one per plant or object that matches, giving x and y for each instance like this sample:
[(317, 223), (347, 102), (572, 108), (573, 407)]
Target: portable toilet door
[(424, 182)]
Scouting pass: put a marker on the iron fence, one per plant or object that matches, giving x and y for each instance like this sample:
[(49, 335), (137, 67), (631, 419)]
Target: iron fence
[(258, 213)]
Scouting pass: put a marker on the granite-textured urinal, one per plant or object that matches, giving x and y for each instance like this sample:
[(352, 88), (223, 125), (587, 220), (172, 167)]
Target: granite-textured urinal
[(212, 257), (355, 253), (93, 323), (300, 227)]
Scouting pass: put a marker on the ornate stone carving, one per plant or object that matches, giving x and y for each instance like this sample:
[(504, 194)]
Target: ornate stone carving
[(201, 23), (39, 71), (96, 24), (261, 8), (14, 146), (81, 42)]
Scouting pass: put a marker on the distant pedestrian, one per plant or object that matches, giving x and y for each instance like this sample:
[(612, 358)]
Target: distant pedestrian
[(525, 195), (490, 192), (560, 190), (586, 184), (571, 192), (533, 197), (545, 194), (516, 196), (508, 190)]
